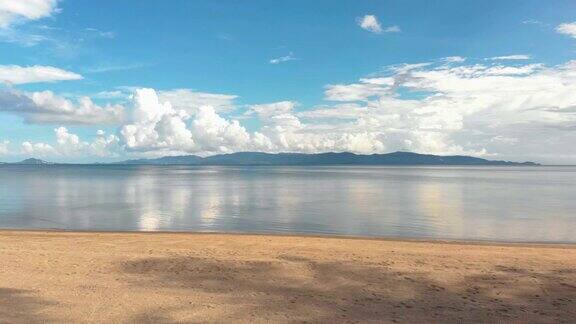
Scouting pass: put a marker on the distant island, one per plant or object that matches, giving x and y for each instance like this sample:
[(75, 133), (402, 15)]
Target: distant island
[(344, 158)]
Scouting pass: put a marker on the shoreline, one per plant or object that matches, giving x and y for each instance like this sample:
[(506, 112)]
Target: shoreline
[(569, 245), (149, 277)]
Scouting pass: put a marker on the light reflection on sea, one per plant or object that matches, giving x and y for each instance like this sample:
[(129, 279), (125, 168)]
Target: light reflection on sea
[(534, 204)]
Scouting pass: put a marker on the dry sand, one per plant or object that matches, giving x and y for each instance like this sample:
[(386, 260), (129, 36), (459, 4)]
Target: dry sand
[(123, 277)]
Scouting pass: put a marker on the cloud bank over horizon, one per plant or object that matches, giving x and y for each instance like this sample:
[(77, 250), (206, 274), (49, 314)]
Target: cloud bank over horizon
[(447, 107)]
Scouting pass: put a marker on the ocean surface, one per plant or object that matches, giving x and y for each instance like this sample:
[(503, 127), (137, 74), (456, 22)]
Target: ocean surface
[(516, 204)]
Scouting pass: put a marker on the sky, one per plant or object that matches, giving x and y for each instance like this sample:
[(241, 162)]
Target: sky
[(97, 81)]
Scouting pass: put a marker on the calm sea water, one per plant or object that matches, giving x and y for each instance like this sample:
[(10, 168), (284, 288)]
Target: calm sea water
[(535, 204)]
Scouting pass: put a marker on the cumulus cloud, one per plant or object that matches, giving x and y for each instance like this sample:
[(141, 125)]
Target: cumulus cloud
[(69, 145), (370, 23), (567, 29), (38, 149), (13, 11), (157, 126), (15, 74), (511, 57), (216, 134), (45, 107)]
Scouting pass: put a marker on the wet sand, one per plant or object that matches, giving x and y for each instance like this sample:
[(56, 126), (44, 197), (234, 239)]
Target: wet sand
[(180, 278)]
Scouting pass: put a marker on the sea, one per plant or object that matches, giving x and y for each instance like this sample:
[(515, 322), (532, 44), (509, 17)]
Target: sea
[(483, 203)]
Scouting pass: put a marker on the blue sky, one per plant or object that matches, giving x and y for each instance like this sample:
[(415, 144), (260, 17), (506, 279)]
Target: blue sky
[(273, 65)]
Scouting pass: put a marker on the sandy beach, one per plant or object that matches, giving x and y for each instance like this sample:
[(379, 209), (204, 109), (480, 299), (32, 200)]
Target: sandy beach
[(180, 278)]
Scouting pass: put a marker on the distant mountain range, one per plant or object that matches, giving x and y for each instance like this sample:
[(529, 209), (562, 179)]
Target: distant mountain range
[(345, 158), (254, 158), (31, 162)]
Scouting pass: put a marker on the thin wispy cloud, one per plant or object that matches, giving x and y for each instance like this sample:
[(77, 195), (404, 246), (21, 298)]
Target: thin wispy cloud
[(100, 33), (109, 67), (113, 94), (510, 57), (454, 59), (532, 22), (283, 59), (392, 29), (224, 37), (15, 74), (22, 38)]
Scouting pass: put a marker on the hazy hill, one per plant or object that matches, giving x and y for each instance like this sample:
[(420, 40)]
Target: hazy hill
[(255, 158), (33, 161)]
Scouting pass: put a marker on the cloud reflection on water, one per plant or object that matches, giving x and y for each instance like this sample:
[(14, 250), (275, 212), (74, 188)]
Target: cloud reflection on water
[(530, 204)]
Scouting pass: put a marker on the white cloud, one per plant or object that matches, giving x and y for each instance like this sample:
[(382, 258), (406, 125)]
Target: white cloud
[(454, 59), (407, 67), (519, 112), (392, 29), (282, 59), (216, 134), (154, 125), (15, 74), (38, 149), (190, 100), (26, 39), (46, 107), (114, 94), (370, 23), (367, 88), (532, 22), (105, 145), (157, 126), (13, 11), (567, 29), (4, 147), (100, 33), (69, 145), (113, 67), (511, 57), (266, 111), (464, 108)]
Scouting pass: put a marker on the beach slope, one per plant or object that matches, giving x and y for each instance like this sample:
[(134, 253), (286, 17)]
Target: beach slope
[(158, 277)]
